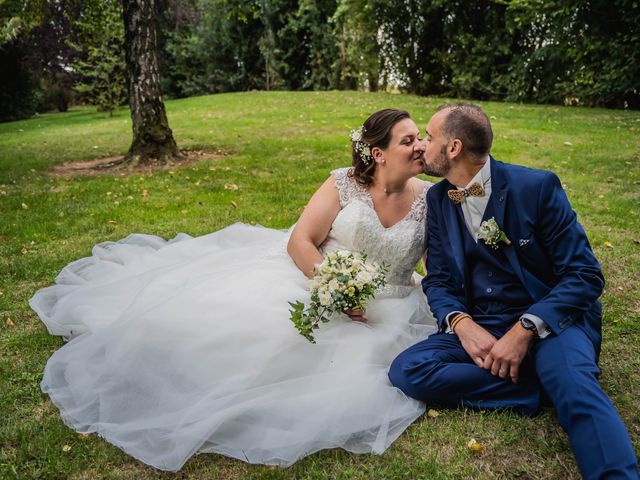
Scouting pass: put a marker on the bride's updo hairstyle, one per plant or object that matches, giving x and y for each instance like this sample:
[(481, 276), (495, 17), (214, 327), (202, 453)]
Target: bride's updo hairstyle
[(376, 133)]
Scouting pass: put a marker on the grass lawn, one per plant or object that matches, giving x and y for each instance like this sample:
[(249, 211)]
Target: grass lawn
[(281, 146)]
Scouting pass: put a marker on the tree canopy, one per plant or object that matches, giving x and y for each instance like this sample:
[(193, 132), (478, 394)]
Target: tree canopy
[(546, 51)]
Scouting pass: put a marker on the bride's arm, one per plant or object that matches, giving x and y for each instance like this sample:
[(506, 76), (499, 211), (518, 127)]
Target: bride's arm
[(313, 227)]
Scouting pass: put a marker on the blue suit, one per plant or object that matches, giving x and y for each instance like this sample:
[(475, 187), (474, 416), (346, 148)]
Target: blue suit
[(550, 271)]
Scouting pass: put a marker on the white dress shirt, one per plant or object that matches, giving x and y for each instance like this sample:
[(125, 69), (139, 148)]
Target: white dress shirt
[(473, 209)]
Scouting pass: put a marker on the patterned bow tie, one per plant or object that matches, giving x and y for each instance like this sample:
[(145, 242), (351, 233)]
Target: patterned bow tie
[(474, 190)]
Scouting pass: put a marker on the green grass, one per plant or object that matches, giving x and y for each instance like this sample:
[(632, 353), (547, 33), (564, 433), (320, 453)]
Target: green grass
[(282, 146)]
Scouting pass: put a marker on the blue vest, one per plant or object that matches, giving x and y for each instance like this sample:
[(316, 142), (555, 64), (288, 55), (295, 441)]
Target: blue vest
[(497, 296)]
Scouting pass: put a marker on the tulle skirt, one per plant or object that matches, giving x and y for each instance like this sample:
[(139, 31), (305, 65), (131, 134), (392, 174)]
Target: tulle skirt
[(185, 346)]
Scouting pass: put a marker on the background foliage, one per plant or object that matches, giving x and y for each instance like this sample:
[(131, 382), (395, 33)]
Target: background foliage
[(544, 51)]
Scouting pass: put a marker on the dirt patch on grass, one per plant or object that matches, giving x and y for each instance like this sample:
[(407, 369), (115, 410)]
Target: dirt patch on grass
[(115, 166)]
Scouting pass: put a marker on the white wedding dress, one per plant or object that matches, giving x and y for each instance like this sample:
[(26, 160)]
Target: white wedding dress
[(185, 346)]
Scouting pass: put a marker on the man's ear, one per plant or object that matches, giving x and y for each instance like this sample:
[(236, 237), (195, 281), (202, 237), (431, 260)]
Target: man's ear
[(454, 147)]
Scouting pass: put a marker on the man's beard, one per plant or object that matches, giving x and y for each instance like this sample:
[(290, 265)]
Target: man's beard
[(440, 167)]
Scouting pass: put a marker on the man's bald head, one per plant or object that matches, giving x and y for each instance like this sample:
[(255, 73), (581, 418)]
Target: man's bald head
[(468, 123)]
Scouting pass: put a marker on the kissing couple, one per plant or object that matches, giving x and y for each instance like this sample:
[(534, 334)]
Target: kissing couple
[(185, 346)]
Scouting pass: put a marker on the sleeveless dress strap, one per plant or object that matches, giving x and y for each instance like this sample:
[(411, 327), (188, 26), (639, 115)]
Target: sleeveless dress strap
[(348, 188)]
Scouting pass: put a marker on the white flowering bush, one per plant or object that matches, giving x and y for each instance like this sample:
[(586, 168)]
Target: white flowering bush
[(343, 281)]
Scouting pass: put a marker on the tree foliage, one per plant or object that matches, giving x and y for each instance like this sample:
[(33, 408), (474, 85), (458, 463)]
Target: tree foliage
[(547, 51), (99, 65)]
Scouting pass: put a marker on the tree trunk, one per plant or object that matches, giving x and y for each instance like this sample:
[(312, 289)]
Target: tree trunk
[(152, 137)]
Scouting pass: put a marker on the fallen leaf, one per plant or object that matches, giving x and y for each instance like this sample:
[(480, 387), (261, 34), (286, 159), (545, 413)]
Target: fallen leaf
[(66, 448), (231, 186), (608, 244), (24, 249), (475, 446), (113, 222), (234, 204), (83, 436), (109, 194), (269, 218), (184, 211), (568, 144), (636, 241), (433, 413), (145, 193), (9, 322), (25, 206)]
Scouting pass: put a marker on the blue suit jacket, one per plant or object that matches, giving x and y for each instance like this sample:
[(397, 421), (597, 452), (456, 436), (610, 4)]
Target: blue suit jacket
[(549, 250)]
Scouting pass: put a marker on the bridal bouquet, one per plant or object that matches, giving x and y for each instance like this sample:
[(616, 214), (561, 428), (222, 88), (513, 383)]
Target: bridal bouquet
[(343, 281)]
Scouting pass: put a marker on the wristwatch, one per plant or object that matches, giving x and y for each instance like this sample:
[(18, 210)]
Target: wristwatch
[(529, 325)]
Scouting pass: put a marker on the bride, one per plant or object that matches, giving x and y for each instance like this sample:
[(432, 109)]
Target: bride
[(185, 346)]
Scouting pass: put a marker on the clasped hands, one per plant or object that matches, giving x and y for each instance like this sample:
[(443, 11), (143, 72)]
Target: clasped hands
[(501, 357)]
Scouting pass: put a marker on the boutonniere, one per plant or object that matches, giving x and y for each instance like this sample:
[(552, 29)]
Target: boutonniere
[(491, 234)]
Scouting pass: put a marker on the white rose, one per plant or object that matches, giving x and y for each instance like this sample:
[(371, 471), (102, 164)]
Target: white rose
[(364, 277), (325, 299)]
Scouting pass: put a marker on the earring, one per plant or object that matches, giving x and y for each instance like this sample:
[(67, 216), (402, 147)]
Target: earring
[(382, 161)]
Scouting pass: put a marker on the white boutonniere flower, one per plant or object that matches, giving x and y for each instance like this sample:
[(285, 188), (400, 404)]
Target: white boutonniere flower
[(491, 234)]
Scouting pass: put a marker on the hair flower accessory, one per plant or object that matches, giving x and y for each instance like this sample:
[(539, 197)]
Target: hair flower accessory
[(491, 234), (356, 134), (363, 148)]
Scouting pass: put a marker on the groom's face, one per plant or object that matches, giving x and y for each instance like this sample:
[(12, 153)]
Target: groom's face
[(437, 162)]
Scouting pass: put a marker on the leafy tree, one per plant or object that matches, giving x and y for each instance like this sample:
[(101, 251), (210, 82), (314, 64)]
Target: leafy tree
[(359, 61), (586, 52), (98, 40), (20, 95), (220, 52)]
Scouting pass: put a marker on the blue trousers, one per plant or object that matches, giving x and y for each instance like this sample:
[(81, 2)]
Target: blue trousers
[(439, 371)]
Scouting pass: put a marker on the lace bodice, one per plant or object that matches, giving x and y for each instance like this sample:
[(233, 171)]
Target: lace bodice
[(357, 228)]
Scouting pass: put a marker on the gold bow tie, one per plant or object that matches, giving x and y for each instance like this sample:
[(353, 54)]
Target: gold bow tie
[(474, 190)]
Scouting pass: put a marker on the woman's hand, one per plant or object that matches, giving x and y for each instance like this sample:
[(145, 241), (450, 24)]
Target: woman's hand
[(356, 315)]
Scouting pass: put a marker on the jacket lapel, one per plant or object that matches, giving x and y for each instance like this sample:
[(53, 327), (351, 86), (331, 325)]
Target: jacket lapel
[(452, 226), (499, 195)]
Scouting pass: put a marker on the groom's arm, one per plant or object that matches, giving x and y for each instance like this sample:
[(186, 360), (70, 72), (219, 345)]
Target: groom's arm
[(443, 293), (580, 280)]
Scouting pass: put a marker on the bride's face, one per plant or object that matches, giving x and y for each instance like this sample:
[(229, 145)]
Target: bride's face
[(405, 152)]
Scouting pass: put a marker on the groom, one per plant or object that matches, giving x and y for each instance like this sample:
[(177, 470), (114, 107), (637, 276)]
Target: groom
[(516, 300)]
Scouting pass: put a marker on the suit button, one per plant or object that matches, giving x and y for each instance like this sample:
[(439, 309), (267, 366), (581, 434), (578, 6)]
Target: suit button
[(489, 290), (490, 274), (462, 285)]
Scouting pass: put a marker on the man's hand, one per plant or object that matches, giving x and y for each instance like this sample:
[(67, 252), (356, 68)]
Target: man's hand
[(505, 357), (476, 341)]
